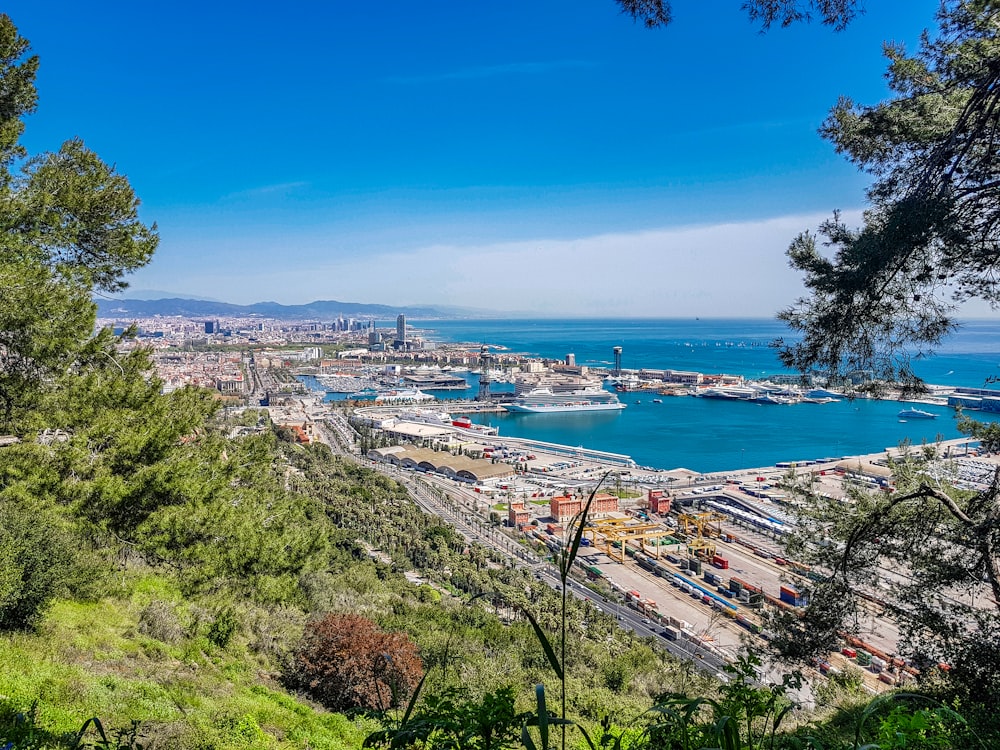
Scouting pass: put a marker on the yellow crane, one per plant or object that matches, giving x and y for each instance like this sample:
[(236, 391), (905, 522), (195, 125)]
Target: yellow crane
[(703, 524), (700, 529), (617, 532)]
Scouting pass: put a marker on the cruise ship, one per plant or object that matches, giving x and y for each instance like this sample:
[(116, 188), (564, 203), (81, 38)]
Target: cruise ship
[(544, 401)]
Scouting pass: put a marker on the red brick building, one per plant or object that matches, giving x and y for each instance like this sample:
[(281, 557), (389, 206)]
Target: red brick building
[(518, 515), (565, 508), (659, 501)]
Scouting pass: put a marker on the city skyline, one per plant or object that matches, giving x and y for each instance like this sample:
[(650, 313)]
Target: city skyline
[(555, 160)]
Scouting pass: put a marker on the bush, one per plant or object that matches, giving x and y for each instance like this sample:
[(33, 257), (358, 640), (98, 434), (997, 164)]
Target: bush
[(37, 563), (347, 663), (158, 620)]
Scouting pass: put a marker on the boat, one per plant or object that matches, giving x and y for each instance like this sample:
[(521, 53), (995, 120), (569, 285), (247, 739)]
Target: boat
[(657, 400), (544, 401), (396, 396), (771, 398), (727, 393), (912, 413)]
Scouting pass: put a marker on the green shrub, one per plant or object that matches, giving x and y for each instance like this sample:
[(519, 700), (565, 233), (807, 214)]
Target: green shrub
[(37, 563)]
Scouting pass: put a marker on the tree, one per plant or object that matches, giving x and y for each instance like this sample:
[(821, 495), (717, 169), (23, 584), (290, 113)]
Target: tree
[(929, 240), (70, 228), (927, 555), (837, 13), (37, 564), (987, 433), (347, 663)]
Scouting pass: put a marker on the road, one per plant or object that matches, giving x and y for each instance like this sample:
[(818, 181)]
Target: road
[(460, 507)]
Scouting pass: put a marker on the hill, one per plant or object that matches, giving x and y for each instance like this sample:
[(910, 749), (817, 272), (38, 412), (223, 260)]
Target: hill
[(319, 309)]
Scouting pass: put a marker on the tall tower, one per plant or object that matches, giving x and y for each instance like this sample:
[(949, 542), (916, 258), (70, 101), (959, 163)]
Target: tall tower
[(401, 328), (618, 360), (571, 360), (485, 363)]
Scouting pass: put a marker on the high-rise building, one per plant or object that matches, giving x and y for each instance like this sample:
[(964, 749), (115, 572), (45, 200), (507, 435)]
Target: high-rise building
[(401, 328), (571, 360)]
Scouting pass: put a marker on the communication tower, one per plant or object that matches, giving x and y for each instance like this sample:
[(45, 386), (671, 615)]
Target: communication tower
[(485, 363)]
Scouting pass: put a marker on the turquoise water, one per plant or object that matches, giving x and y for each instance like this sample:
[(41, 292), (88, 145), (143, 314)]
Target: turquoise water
[(706, 434)]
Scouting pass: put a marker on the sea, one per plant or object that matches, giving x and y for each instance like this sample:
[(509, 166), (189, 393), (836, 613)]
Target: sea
[(708, 435)]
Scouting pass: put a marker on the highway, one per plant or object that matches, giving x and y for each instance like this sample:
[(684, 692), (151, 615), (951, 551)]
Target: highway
[(459, 507)]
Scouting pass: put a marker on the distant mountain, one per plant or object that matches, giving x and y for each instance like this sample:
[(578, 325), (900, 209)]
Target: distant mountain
[(318, 310), (149, 294)]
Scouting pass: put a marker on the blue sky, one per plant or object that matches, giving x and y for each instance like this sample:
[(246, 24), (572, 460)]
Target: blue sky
[(542, 157)]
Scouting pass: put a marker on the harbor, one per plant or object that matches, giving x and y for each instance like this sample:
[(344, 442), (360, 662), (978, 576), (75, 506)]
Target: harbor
[(691, 476), (696, 559)]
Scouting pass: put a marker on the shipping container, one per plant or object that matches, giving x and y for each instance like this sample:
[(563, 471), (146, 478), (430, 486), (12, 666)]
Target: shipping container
[(671, 633), (850, 653), (720, 562), (864, 658)]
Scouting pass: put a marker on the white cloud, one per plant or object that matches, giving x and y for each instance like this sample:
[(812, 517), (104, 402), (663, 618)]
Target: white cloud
[(734, 269)]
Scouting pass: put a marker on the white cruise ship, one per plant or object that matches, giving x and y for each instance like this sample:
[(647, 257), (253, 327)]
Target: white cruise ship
[(544, 401)]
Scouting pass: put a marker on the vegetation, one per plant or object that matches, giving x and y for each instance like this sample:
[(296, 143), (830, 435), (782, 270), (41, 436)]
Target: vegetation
[(930, 233), (837, 13), (163, 585), (926, 553), (347, 663)]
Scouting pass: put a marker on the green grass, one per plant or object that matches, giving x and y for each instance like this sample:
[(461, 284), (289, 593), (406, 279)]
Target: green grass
[(89, 659)]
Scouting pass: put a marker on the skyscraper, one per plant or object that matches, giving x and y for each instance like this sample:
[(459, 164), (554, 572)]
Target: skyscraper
[(401, 328)]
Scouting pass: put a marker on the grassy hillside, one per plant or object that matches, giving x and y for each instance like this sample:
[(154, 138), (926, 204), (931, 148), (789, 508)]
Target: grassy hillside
[(199, 585)]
